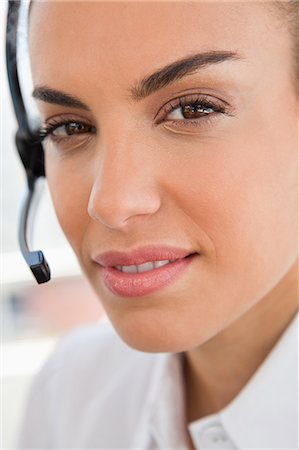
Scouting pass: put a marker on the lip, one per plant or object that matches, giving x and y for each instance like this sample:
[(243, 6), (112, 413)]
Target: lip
[(140, 256), (139, 284)]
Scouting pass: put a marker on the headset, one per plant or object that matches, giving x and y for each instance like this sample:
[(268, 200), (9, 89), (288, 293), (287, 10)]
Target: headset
[(28, 145)]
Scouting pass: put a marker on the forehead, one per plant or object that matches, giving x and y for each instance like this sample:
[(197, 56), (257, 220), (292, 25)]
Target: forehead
[(126, 40)]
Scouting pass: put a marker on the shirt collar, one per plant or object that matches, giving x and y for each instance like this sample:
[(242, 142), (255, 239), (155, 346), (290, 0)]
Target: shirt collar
[(167, 421), (263, 415)]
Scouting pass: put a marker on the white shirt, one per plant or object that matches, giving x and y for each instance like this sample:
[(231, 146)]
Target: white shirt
[(95, 392)]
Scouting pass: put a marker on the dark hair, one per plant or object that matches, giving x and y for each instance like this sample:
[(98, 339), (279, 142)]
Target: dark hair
[(289, 13)]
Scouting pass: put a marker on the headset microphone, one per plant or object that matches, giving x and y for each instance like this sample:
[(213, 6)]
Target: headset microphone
[(28, 145)]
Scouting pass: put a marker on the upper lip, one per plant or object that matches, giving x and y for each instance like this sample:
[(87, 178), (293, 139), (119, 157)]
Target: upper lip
[(140, 256)]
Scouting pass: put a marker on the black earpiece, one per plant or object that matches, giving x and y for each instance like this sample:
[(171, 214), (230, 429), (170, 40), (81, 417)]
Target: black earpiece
[(28, 145)]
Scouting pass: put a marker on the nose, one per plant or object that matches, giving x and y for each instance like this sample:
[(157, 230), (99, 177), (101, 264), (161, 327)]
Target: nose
[(124, 189)]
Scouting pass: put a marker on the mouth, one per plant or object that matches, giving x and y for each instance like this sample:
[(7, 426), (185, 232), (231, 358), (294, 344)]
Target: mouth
[(146, 267), (142, 271)]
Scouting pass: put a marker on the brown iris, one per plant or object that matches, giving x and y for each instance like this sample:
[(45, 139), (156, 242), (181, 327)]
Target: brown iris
[(72, 128), (195, 111)]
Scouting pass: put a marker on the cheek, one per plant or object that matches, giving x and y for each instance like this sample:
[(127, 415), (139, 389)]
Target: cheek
[(69, 188), (242, 196)]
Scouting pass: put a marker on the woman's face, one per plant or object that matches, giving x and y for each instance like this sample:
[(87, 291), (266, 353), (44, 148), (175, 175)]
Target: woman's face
[(202, 158)]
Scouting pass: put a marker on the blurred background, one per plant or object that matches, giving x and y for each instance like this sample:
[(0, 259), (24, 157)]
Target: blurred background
[(33, 317)]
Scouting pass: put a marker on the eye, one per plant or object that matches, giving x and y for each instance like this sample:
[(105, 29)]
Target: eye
[(191, 112), (194, 111), (63, 129), (71, 128)]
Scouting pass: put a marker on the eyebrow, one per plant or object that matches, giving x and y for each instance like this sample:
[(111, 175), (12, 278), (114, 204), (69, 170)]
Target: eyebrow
[(49, 95), (179, 69), (148, 85)]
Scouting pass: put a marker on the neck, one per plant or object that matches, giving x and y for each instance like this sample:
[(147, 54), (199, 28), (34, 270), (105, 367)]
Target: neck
[(216, 371)]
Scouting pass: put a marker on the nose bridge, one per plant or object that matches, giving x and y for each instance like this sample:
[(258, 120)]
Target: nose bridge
[(124, 183), (122, 155)]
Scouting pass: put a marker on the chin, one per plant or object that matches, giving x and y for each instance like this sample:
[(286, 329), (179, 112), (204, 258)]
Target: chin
[(150, 343), (154, 336)]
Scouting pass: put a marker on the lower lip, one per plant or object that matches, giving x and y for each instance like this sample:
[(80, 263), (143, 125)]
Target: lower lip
[(140, 284)]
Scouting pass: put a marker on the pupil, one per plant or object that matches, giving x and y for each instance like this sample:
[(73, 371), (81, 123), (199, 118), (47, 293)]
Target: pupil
[(195, 111), (74, 127)]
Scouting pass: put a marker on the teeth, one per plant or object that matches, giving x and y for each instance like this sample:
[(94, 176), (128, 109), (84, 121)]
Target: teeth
[(129, 269), (145, 267), (158, 264), (142, 267)]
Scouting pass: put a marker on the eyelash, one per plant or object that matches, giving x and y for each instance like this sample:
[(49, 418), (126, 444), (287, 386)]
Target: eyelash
[(48, 129), (194, 100)]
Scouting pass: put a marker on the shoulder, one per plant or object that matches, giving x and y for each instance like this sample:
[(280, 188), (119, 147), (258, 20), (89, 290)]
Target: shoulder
[(88, 384), (95, 353)]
